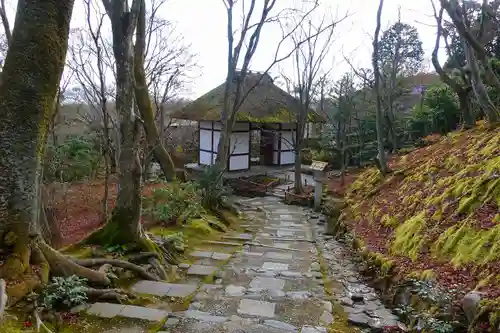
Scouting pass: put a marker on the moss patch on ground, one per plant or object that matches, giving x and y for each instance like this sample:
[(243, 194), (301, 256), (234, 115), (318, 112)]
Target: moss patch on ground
[(438, 211)]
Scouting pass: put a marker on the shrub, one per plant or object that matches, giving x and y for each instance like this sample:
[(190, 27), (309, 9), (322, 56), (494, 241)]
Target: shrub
[(65, 293), (213, 191), (77, 158), (176, 202)]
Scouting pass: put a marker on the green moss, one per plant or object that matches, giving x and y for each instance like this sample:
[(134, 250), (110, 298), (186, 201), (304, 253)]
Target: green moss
[(389, 221), (409, 237), (464, 244)]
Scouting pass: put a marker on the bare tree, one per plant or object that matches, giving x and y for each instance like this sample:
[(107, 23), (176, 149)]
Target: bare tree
[(5, 22), (124, 226), (308, 60), (250, 33), (87, 63), (474, 41), (381, 158), (144, 104), (462, 89)]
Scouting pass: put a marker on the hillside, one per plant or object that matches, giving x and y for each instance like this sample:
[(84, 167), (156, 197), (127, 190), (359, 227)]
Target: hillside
[(438, 211)]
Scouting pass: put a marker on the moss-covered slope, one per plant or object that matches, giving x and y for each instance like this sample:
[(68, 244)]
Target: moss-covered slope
[(438, 210)]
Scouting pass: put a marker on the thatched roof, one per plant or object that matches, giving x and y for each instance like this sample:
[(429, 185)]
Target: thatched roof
[(266, 103)]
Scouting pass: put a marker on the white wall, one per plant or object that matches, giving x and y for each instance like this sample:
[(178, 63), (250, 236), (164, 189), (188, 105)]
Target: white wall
[(239, 144)]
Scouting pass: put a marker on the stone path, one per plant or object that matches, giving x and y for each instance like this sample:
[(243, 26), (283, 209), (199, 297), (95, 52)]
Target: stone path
[(270, 281)]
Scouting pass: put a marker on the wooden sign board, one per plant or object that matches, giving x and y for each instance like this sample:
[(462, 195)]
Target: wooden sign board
[(318, 165)]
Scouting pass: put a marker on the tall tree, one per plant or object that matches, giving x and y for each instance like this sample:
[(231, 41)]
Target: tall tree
[(460, 85), (124, 226), (144, 104), (32, 70), (474, 39), (400, 54), (381, 158), (250, 33), (308, 60)]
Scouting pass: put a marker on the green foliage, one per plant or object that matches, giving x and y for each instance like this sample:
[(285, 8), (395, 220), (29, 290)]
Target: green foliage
[(176, 203), (439, 113), (213, 191), (401, 40), (65, 292), (178, 240), (77, 158)]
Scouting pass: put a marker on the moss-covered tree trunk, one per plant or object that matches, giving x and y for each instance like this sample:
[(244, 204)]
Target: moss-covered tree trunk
[(144, 103), (30, 79), (124, 226), (31, 74)]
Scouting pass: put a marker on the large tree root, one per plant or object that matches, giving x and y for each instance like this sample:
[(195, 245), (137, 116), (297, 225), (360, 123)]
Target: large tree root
[(117, 295), (118, 263), (61, 265)]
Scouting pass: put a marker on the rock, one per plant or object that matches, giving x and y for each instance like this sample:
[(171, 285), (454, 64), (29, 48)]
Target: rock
[(233, 291), (280, 325), (358, 319), (315, 267), (184, 265), (357, 298), (326, 318), (327, 305), (470, 304), (346, 301)]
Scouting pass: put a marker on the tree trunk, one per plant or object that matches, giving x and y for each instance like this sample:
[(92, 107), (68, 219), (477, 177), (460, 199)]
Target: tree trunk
[(30, 78), (124, 226), (144, 102), (492, 113), (380, 117), (465, 108)]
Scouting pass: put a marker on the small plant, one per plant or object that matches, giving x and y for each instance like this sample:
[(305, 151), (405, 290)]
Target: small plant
[(176, 203), (118, 249), (178, 240), (77, 158), (65, 292), (214, 193)]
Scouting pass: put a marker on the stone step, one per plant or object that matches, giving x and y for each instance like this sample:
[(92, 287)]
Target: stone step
[(210, 255), (163, 289), (239, 237), (111, 310)]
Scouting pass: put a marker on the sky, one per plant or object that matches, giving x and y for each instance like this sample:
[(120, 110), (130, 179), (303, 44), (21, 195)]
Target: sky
[(203, 23)]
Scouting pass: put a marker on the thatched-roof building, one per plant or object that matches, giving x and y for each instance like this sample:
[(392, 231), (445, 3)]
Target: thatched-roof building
[(265, 107)]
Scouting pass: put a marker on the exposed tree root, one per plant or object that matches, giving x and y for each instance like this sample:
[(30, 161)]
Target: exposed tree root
[(142, 256), (119, 263), (61, 265), (158, 268), (117, 295)]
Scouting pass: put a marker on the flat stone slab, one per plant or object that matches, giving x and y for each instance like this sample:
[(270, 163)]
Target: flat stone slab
[(201, 254), (164, 289), (243, 237), (280, 325), (274, 266), (252, 254), (201, 270), (313, 329), (139, 312), (267, 283), (278, 256), (285, 233), (220, 256), (222, 243), (204, 316), (105, 310), (256, 308)]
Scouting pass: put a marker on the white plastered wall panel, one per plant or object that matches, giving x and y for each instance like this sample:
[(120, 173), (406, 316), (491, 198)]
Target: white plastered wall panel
[(239, 147)]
